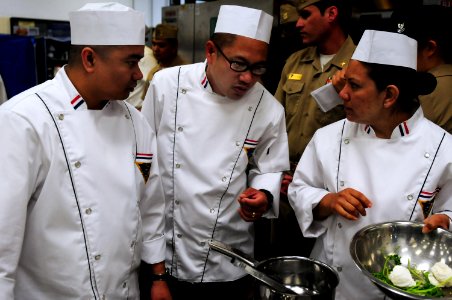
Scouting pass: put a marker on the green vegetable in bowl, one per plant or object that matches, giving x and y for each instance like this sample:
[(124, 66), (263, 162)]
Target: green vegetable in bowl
[(423, 286)]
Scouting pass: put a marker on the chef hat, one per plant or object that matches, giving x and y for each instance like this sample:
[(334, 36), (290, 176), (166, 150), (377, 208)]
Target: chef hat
[(387, 48), (165, 31), (244, 21), (107, 24)]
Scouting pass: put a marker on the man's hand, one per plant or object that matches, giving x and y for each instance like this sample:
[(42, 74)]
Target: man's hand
[(348, 203), (253, 204), (436, 221), (160, 290), (338, 80)]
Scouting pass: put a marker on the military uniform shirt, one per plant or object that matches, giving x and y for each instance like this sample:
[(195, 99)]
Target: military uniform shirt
[(301, 75), (437, 106)]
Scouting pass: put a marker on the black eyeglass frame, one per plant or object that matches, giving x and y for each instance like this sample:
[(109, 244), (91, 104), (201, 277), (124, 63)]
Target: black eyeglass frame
[(239, 66)]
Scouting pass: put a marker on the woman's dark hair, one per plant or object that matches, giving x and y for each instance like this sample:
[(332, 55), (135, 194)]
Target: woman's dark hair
[(410, 83)]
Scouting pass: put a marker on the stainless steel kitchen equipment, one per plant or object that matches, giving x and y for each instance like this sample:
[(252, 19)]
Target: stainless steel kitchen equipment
[(285, 277), (196, 23), (371, 244)]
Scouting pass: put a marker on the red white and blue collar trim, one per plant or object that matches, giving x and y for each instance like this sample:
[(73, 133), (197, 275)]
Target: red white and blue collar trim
[(428, 196), (367, 129), (403, 129), (144, 157), (251, 143), (77, 101), (204, 81)]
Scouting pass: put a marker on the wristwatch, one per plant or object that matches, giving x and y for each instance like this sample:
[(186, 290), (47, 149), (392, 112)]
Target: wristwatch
[(269, 198), (159, 277)]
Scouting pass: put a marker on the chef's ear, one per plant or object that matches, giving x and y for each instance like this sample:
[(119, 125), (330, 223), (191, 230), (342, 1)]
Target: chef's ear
[(210, 50), (88, 58), (391, 95)]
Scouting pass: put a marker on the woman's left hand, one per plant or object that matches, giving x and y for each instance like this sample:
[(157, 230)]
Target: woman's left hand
[(436, 221)]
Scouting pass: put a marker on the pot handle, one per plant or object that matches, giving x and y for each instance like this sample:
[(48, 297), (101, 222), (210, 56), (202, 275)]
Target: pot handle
[(232, 253), (247, 263)]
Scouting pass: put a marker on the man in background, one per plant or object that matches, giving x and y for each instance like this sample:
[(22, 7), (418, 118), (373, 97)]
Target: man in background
[(324, 27), (284, 41), (165, 47)]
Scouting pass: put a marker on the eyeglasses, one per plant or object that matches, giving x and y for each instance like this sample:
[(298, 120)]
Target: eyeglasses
[(257, 69)]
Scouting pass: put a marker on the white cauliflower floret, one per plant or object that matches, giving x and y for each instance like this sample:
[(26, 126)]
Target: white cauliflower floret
[(433, 280), (400, 276), (442, 273)]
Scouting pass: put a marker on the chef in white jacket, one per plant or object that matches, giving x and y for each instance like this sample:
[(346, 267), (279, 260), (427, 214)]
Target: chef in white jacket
[(223, 145), (384, 162), (81, 199)]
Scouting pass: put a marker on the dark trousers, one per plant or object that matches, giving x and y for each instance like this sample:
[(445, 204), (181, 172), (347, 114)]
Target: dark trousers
[(241, 289)]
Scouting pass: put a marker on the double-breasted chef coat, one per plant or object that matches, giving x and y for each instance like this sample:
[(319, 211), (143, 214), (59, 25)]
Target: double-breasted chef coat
[(212, 148), (81, 200), (407, 177)]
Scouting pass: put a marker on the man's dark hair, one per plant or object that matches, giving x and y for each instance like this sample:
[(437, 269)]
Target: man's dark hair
[(223, 39), (76, 50), (344, 8)]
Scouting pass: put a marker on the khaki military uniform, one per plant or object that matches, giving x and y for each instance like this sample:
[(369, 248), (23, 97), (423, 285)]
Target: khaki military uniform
[(301, 75), (437, 106)]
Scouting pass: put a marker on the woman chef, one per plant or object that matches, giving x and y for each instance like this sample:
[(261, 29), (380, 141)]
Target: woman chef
[(384, 162)]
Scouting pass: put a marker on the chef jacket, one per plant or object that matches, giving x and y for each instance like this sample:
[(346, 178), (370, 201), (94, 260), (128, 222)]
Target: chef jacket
[(212, 148), (81, 199), (407, 177)]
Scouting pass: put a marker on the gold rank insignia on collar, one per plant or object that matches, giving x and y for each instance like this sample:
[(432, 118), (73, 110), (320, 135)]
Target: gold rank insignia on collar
[(294, 76)]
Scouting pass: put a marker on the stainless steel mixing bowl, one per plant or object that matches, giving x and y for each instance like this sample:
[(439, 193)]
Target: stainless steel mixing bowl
[(371, 244)]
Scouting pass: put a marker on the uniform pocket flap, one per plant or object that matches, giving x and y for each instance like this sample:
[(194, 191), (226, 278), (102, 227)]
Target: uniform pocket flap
[(293, 86)]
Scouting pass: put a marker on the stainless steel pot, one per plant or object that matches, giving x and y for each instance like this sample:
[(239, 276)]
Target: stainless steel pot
[(285, 277)]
